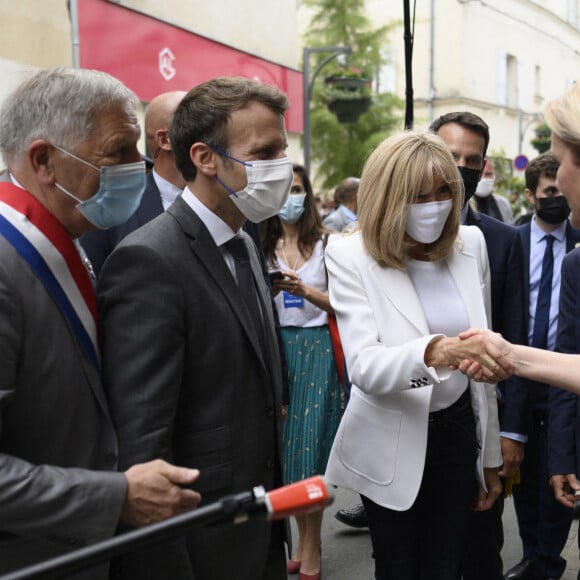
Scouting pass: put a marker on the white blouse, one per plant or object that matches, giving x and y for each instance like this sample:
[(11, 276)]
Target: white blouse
[(445, 314), (312, 273)]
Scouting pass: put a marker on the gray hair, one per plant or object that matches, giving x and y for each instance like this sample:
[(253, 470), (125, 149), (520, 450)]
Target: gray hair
[(61, 105)]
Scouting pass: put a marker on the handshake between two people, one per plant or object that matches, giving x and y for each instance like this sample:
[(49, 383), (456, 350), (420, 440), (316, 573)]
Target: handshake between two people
[(481, 354)]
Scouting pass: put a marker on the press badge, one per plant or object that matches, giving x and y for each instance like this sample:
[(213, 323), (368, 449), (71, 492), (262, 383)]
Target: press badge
[(291, 301)]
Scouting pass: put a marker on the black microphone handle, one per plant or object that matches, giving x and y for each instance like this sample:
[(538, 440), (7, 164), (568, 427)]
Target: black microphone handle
[(234, 508)]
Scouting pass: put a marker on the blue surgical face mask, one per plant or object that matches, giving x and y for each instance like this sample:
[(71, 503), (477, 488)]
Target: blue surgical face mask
[(120, 191), (293, 209)]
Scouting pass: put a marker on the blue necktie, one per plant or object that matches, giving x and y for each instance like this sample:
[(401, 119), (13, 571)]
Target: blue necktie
[(542, 320)]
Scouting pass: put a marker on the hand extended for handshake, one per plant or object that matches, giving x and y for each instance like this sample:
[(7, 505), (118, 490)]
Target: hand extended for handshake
[(482, 355), (155, 491)]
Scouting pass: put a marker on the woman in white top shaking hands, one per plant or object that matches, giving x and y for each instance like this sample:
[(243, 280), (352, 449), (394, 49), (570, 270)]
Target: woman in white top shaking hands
[(418, 441)]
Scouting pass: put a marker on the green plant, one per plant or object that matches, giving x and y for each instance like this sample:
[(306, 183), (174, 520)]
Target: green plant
[(344, 148), (336, 93), (349, 72), (340, 150), (543, 139)]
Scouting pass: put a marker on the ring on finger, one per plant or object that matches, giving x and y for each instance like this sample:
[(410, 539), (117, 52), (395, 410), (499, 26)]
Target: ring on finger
[(488, 362)]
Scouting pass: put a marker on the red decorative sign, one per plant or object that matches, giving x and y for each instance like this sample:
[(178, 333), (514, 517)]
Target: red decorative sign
[(152, 57)]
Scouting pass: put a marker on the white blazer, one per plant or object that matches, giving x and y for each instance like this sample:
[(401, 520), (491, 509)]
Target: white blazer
[(379, 449)]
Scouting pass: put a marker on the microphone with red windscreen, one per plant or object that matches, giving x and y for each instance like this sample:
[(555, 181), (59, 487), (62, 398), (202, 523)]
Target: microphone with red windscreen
[(303, 497), (306, 496)]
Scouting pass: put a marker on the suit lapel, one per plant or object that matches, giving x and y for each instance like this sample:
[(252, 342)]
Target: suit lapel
[(572, 237), (151, 205), (525, 232), (398, 288), (463, 265), (90, 370), (210, 256)]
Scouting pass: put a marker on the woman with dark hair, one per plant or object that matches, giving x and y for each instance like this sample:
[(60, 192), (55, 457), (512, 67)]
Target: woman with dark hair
[(294, 242)]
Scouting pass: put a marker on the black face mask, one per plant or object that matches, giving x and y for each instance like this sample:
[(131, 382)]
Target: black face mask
[(553, 210), (470, 180)]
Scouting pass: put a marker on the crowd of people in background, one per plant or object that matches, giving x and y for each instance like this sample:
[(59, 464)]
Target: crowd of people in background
[(174, 336)]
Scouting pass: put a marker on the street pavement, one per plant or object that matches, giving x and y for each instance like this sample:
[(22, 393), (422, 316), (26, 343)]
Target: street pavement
[(346, 552)]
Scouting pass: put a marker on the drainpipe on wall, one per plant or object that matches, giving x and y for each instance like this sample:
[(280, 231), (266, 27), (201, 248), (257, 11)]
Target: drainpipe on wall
[(74, 19), (431, 97)]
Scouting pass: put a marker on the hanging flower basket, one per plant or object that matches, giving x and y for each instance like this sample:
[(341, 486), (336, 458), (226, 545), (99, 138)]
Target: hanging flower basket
[(349, 111), (347, 94), (543, 140), (345, 83)]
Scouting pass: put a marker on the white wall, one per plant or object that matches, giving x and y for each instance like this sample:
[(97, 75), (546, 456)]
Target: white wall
[(470, 39), (37, 33), (265, 28)]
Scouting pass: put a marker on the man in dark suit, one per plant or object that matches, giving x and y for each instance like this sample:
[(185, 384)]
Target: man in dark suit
[(190, 356), (62, 130), (543, 523), (467, 136), (164, 182)]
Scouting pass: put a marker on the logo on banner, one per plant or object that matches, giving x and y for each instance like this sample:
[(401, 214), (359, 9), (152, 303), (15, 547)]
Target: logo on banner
[(166, 68)]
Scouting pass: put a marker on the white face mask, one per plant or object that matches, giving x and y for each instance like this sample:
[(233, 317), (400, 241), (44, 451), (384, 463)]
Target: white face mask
[(425, 221), (485, 187), (268, 185)]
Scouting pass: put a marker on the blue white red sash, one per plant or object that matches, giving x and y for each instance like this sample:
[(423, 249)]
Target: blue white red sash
[(43, 243)]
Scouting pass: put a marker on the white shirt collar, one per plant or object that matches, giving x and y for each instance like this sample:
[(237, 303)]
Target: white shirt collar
[(218, 229), (168, 191), (16, 182), (537, 233)]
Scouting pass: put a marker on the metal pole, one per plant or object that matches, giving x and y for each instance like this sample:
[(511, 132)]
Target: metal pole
[(523, 128), (306, 106), (74, 19), (520, 130), (233, 508), (308, 86), (408, 67), (431, 62)]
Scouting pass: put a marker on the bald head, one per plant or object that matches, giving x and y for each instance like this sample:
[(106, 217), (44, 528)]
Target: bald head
[(158, 118), (346, 193)]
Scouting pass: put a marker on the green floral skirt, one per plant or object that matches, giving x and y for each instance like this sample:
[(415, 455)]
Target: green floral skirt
[(314, 411)]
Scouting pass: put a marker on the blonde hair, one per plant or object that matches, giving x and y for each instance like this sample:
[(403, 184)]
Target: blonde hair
[(563, 116), (400, 168)]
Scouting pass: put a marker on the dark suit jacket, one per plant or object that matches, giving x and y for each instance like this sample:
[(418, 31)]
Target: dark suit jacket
[(508, 316), (99, 244), (538, 392), (188, 382), (564, 407), (59, 487)]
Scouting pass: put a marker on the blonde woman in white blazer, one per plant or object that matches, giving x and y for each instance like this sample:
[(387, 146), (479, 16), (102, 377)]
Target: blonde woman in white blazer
[(418, 441)]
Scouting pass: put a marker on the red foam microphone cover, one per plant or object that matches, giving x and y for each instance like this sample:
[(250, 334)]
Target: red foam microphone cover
[(306, 496)]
